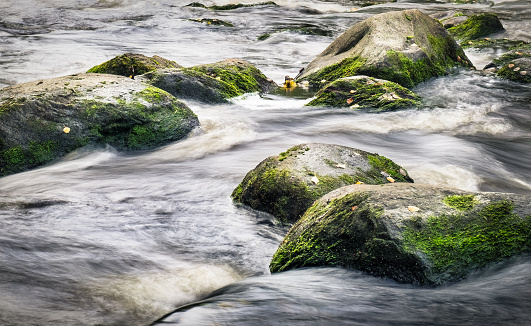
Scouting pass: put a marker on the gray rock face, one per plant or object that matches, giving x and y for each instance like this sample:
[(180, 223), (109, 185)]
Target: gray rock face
[(405, 47), (412, 233), (43, 120), (214, 83), (287, 184)]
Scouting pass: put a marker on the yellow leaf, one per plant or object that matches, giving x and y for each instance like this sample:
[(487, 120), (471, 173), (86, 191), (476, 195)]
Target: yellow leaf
[(66, 130), (413, 208), (359, 183), (390, 179)]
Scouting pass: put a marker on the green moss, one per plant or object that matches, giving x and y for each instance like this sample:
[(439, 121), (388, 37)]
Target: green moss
[(233, 80), (11, 104), (131, 64), (461, 203), (17, 158), (511, 74), (381, 164), (345, 68), (477, 26), (456, 244)]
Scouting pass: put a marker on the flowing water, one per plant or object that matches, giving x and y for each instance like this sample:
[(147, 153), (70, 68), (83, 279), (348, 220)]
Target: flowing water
[(104, 237)]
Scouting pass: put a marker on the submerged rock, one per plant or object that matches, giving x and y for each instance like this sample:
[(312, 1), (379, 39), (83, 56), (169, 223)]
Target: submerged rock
[(287, 184), (43, 120), (132, 64), (231, 6), (214, 83), (406, 47), (477, 26), (212, 22), (412, 233), (359, 92)]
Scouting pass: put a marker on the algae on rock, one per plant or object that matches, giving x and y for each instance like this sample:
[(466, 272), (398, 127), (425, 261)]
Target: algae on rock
[(43, 120), (405, 47), (361, 92), (215, 82), (287, 184), (477, 26), (132, 64), (370, 228)]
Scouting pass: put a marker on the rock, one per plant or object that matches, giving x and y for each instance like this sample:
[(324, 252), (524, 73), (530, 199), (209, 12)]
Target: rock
[(446, 235), (305, 29), (499, 43), (231, 6), (477, 26), (282, 185), (406, 47), (212, 22), (522, 50), (518, 70), (365, 92), (131, 64), (214, 83), (43, 120), (454, 21)]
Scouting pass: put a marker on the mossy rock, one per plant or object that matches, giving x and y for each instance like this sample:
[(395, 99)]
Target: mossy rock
[(132, 64), (477, 26), (231, 6), (212, 22), (213, 83), (362, 92), (287, 184), (43, 120), (518, 70), (405, 47), (304, 29), (378, 230), (522, 50)]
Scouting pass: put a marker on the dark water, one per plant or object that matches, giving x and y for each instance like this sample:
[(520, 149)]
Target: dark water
[(104, 237)]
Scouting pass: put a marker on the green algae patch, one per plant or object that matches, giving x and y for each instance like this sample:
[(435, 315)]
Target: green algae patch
[(456, 244), (345, 232), (363, 92), (286, 185), (518, 70), (131, 64), (461, 203), (345, 68), (477, 26)]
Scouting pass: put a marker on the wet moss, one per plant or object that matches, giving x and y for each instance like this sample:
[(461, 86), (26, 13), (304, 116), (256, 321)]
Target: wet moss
[(462, 203), (477, 26), (18, 158), (345, 68), (231, 6), (234, 80), (212, 22), (457, 244), (305, 29)]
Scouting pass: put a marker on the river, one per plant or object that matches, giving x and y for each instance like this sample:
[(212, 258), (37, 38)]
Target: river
[(105, 237)]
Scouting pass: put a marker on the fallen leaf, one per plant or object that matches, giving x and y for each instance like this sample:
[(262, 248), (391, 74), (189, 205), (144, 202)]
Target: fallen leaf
[(523, 72), (402, 172), (341, 166), (516, 69), (359, 183), (66, 130), (385, 174), (413, 208), (315, 180), (458, 58), (390, 179), (349, 100), (352, 91), (323, 81), (354, 208), (355, 106), (510, 65)]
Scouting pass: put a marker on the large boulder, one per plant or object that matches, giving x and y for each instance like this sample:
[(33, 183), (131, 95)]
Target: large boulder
[(406, 47), (214, 83), (43, 120), (362, 92), (287, 184), (477, 26), (412, 233), (132, 64)]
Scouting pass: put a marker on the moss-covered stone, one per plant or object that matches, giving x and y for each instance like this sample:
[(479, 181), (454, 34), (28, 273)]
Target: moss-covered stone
[(362, 92), (212, 22), (305, 29), (518, 70), (131, 64), (406, 47), (287, 184), (214, 83), (231, 6), (477, 26), (496, 43), (43, 120), (370, 228)]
